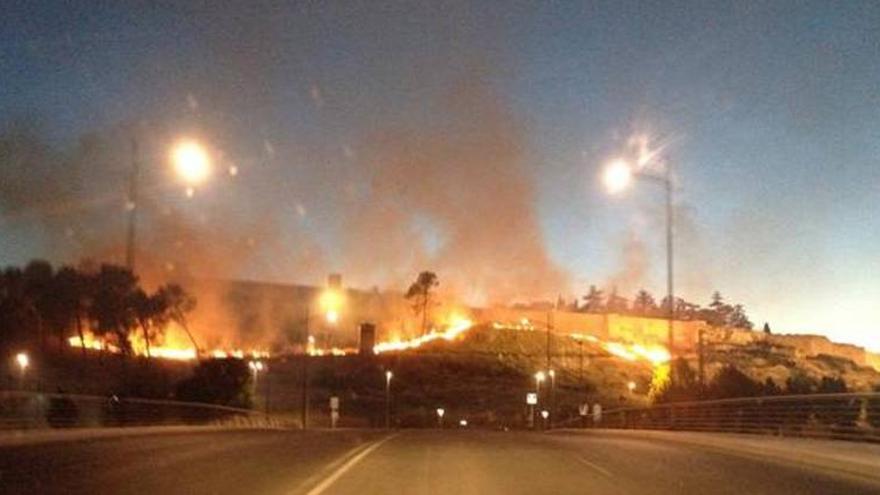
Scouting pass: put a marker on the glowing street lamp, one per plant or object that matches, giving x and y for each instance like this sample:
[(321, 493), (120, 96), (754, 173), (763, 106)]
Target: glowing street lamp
[(191, 162), (23, 361), (256, 367), (631, 386), (618, 175), (388, 375), (440, 413)]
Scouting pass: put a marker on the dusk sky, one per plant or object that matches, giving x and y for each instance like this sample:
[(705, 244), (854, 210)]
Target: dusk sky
[(769, 113)]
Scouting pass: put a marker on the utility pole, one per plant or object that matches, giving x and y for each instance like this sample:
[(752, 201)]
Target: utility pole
[(701, 362), (388, 375), (305, 377), (132, 204), (670, 287)]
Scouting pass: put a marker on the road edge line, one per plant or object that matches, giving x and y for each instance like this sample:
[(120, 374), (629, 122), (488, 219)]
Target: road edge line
[(341, 470)]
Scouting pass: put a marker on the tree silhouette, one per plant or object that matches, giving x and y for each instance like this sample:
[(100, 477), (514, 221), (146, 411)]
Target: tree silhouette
[(616, 303), (176, 303), (643, 303), (594, 300), (737, 318), (112, 311), (419, 293)]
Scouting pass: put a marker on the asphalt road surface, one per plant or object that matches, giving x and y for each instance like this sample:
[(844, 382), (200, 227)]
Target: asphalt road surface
[(418, 462)]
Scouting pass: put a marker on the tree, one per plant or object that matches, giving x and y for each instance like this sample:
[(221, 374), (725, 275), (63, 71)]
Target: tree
[(112, 310), (18, 321), (771, 388), (616, 303), (218, 381), (718, 312), (800, 384), (419, 293), (681, 384), (832, 385), (38, 299), (767, 328), (152, 313), (685, 310), (69, 305), (177, 303), (730, 382), (643, 303), (594, 301), (737, 318)]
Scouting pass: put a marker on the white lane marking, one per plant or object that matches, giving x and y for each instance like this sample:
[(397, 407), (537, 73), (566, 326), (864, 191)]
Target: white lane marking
[(596, 467), (319, 489)]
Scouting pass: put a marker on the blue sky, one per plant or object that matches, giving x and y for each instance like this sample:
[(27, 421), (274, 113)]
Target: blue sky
[(773, 111)]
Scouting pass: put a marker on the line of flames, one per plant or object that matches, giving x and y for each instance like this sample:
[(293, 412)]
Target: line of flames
[(95, 343), (456, 326)]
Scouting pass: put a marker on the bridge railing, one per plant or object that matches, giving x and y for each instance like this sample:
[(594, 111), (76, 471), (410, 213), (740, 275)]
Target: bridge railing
[(851, 416), (29, 410)]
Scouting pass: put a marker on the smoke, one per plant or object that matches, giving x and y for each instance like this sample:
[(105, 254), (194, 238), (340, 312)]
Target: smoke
[(634, 265), (453, 197)]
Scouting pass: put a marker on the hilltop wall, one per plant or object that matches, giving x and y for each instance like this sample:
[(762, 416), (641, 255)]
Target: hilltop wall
[(803, 345), (606, 326)]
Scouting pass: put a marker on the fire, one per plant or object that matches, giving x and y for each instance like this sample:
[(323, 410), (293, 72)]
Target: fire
[(456, 326), (654, 354), (180, 351)]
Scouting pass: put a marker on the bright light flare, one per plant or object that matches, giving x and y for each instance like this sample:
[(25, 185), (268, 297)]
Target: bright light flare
[(191, 162), (23, 360), (441, 412), (631, 386), (617, 176), (540, 376)]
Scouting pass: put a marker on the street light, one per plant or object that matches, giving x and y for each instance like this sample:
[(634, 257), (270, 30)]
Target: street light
[(388, 375), (440, 413), (191, 163), (23, 362), (617, 176), (631, 386)]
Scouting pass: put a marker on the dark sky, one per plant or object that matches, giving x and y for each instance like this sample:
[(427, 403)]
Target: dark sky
[(769, 113)]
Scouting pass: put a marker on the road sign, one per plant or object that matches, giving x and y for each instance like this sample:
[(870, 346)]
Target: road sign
[(584, 409), (597, 413), (334, 403), (531, 398)]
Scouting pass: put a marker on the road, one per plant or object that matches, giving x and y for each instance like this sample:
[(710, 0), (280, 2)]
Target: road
[(417, 462)]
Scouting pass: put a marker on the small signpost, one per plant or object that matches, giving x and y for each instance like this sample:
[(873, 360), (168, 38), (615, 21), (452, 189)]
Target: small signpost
[(584, 409), (531, 400), (334, 411)]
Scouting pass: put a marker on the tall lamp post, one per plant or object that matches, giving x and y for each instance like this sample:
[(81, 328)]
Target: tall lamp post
[(552, 374), (539, 379), (618, 176), (388, 376)]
